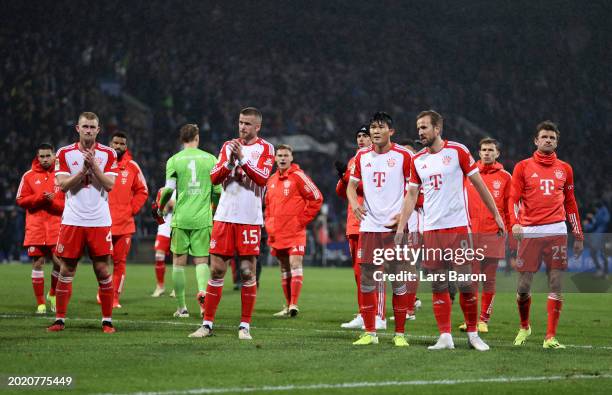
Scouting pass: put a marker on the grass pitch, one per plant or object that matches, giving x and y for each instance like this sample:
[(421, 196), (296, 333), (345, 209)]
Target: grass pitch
[(309, 354)]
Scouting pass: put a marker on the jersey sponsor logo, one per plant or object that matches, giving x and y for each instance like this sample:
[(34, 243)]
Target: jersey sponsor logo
[(436, 181), (547, 185), (559, 174), (391, 162), (496, 184), (446, 160), (379, 178), (534, 175)]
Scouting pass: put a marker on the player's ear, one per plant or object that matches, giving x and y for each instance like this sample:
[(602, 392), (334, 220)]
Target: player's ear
[(391, 132)]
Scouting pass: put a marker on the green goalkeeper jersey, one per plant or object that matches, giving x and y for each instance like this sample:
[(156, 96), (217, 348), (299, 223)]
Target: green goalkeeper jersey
[(189, 170)]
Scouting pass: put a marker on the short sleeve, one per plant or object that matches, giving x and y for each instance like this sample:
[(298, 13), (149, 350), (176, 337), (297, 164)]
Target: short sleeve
[(356, 168), (414, 176), (61, 167), (467, 162), (111, 164)]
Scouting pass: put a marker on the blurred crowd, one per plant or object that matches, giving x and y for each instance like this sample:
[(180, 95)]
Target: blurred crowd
[(315, 68)]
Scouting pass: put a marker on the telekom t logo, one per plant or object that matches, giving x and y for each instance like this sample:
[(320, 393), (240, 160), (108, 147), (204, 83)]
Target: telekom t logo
[(379, 178), (547, 185), (436, 180)]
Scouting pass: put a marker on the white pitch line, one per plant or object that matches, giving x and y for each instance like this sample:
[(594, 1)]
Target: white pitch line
[(334, 331), (371, 384)]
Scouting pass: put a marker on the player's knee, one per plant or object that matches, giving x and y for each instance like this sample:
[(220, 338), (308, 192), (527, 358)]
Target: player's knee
[(217, 273), (368, 288), (522, 296), (466, 286), (439, 286), (399, 288), (160, 256), (555, 296)]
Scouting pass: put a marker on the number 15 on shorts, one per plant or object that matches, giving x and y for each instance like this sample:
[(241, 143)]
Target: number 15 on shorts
[(250, 236)]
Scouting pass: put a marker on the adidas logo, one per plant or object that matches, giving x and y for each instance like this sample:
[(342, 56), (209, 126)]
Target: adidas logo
[(534, 175), (75, 163), (368, 165), (424, 166), (37, 182)]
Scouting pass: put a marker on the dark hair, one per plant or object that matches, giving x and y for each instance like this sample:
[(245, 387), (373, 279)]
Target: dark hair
[(488, 140), (43, 146), (365, 129), (189, 132), (409, 142), (119, 134), (547, 125), (381, 117), (436, 118), (252, 111), (283, 146)]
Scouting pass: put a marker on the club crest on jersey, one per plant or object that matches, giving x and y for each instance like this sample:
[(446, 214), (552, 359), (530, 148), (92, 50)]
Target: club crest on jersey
[(391, 162), (496, 184), (287, 184), (255, 155), (32, 249), (559, 174), (213, 243), (124, 173), (519, 262), (60, 248), (446, 160)]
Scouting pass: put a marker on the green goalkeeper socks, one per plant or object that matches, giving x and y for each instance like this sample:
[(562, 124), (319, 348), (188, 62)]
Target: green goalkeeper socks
[(202, 276), (178, 277)]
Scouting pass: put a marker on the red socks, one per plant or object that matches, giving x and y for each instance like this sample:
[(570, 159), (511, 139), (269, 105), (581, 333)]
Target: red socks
[(469, 305), (297, 278), (38, 284), (160, 271), (105, 290), (63, 291), (442, 311), (554, 311), (368, 310), (523, 307), (118, 277), (486, 306), (400, 307), (54, 275), (214, 290), (248, 295), (286, 285)]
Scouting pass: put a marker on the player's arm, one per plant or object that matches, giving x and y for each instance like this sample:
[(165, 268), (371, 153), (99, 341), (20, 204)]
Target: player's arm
[(58, 202), (26, 198), (166, 193), (351, 190), (488, 200), (571, 210), (507, 204), (311, 194), (140, 192), (261, 171), (408, 204), (223, 167), (516, 192), (106, 177)]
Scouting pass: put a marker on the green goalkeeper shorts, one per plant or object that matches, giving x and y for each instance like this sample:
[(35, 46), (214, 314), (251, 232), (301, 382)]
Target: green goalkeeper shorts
[(194, 242)]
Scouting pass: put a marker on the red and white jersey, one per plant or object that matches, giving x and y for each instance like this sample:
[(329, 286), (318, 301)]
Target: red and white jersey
[(243, 183), (165, 229), (542, 196), (384, 178), (86, 204), (441, 176)]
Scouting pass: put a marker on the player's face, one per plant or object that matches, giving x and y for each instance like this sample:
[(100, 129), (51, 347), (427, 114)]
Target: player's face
[(546, 141), (119, 144), (45, 157), (88, 129), (380, 133), (428, 133), (488, 153), (283, 159), (363, 140), (248, 127)]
